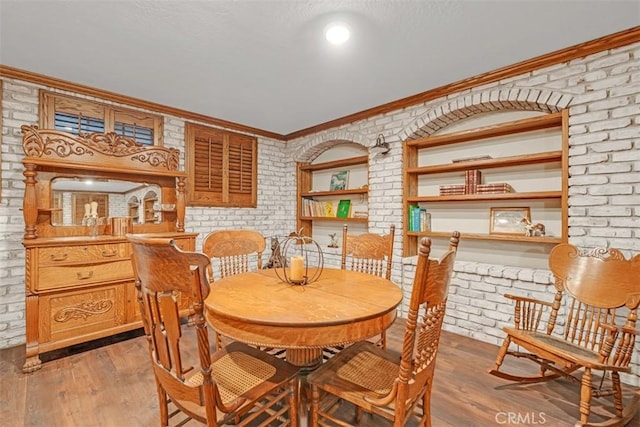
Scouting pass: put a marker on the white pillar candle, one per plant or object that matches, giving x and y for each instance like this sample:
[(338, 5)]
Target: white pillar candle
[(297, 268)]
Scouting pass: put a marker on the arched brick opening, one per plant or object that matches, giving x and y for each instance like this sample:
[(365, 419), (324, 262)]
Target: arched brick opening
[(320, 143), (470, 104)]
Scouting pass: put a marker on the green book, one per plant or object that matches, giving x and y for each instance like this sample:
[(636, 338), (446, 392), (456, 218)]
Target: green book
[(343, 209)]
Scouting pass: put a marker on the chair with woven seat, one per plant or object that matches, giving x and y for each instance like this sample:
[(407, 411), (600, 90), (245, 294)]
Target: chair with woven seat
[(233, 252), (368, 253), (373, 379), (238, 384), (589, 326)]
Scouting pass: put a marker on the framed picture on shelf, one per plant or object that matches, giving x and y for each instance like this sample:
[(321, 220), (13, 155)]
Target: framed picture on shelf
[(339, 181), (509, 220)]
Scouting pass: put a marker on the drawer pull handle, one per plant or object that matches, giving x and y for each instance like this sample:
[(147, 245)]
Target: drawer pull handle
[(60, 258), (110, 254), (85, 276)]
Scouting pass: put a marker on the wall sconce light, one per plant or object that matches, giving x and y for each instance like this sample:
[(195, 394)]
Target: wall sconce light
[(381, 147)]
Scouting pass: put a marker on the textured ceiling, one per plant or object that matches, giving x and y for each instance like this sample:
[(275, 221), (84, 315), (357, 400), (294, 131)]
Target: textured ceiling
[(265, 64)]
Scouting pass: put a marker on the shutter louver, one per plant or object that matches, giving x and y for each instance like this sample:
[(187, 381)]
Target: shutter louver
[(240, 167)]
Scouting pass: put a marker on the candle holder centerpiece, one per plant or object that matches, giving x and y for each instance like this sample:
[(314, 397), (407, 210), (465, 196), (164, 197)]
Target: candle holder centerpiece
[(304, 259)]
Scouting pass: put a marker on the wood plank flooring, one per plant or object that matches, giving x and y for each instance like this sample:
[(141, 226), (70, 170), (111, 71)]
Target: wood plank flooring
[(112, 385)]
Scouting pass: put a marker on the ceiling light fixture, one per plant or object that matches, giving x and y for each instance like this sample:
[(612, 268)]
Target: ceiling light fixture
[(381, 147), (337, 33)]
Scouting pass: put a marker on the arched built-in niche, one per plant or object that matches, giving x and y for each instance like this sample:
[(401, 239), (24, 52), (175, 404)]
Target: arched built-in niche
[(524, 131)]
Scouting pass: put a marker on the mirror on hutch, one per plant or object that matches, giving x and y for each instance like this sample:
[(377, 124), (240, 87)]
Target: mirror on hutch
[(82, 195)]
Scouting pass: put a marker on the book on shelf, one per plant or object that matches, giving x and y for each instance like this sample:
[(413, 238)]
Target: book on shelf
[(452, 190), (329, 209), (472, 178), (425, 220), (419, 219), (344, 206), (495, 188)]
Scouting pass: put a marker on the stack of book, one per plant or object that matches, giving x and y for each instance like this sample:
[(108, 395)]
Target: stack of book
[(472, 178), (496, 188), (316, 208), (452, 190), (419, 219)]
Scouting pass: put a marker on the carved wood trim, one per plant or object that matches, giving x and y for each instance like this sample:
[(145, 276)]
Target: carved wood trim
[(83, 310), (97, 149)]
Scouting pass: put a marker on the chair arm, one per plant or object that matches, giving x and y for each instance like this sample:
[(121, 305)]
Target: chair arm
[(530, 300), (621, 339), (527, 312), (623, 329)]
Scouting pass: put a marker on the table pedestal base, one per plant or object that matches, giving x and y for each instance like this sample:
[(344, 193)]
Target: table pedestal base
[(306, 358)]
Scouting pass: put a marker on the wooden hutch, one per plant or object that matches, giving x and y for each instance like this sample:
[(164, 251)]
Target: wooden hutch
[(79, 279)]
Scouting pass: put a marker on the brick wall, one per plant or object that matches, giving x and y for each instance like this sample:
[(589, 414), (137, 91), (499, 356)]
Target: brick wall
[(602, 92), (275, 214)]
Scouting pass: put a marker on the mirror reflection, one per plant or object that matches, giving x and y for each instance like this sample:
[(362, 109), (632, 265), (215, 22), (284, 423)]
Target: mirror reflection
[(83, 201)]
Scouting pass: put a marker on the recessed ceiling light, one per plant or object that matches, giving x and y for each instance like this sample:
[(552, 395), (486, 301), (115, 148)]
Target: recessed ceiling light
[(337, 33)]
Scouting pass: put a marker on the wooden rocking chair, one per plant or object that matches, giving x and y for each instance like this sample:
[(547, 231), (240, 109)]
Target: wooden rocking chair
[(599, 292)]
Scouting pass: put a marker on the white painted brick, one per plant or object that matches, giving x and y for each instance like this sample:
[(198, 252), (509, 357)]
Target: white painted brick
[(627, 177), (611, 146), (590, 222), (587, 138), (628, 133), (600, 190), (610, 211), (588, 117), (588, 159), (610, 168), (631, 89), (609, 124), (608, 83)]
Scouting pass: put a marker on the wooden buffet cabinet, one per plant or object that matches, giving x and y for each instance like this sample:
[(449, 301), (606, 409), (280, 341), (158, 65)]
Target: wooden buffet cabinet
[(80, 286)]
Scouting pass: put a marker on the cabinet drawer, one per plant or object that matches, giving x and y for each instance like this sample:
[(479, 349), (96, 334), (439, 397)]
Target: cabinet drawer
[(72, 275), (72, 314), (82, 253)]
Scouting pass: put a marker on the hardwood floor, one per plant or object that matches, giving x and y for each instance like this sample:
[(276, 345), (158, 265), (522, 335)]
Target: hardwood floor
[(112, 385)]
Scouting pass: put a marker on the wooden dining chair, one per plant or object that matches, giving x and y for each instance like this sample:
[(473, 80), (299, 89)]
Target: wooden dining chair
[(238, 384), (233, 252), (589, 326), (373, 379), (368, 253)]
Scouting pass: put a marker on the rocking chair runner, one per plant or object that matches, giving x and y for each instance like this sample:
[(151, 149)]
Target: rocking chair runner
[(601, 292)]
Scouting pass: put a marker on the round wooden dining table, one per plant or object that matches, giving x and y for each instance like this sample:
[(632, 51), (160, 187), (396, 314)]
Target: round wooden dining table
[(341, 307)]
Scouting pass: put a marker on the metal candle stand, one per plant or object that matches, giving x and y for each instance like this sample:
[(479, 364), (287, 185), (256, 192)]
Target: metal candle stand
[(298, 251)]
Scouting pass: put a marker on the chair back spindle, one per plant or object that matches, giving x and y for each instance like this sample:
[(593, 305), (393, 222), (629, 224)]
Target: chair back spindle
[(234, 251), (368, 253)]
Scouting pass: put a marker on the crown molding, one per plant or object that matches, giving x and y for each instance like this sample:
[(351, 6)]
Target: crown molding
[(612, 41), (18, 74)]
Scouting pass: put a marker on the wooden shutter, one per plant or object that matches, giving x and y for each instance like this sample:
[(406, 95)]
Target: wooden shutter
[(222, 167), (81, 116), (207, 165), (242, 162)]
